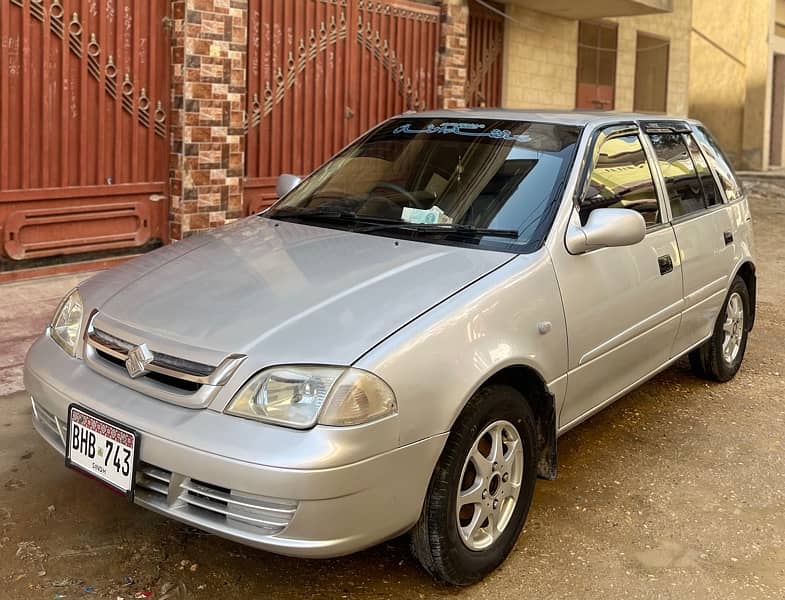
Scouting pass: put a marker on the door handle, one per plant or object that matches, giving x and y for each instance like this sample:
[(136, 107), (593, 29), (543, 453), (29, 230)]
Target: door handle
[(728, 237), (666, 264)]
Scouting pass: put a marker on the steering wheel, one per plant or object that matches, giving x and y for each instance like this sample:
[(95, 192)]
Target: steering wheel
[(394, 187)]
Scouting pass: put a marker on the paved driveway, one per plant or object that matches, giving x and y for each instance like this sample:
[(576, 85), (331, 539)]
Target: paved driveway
[(675, 491)]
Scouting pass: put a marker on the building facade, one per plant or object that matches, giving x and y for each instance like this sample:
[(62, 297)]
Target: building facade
[(720, 61), (733, 86), (595, 58), (127, 124)]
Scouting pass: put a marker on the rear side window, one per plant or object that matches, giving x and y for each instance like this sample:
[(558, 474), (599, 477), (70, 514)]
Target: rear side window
[(720, 164), (710, 189), (682, 181), (622, 179)]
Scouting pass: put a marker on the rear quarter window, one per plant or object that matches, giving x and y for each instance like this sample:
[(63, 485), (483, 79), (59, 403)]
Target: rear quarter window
[(719, 162)]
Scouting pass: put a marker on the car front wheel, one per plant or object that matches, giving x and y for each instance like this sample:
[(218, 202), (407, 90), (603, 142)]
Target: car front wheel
[(481, 490)]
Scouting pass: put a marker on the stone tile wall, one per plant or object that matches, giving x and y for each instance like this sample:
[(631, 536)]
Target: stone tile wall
[(209, 51), (453, 73)]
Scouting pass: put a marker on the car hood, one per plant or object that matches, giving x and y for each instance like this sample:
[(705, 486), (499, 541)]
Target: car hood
[(288, 292)]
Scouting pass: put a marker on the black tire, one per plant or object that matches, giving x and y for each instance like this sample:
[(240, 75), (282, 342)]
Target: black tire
[(436, 541), (707, 361)]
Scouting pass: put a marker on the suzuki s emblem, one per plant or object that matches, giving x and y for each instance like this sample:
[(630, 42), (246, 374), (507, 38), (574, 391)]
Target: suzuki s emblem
[(137, 361)]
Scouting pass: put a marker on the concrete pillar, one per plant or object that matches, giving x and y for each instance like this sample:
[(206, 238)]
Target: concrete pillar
[(777, 111), (207, 161), (757, 103)]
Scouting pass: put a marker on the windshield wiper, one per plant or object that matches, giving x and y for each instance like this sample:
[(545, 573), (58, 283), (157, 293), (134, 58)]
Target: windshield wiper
[(444, 229), (329, 214), (386, 224)]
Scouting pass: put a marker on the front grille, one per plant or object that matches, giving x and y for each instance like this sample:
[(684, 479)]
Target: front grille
[(212, 504), (181, 384), (153, 479), (166, 377), (186, 370)]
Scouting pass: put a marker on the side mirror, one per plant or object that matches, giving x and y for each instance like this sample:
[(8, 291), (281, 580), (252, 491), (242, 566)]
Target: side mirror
[(286, 183), (607, 227)]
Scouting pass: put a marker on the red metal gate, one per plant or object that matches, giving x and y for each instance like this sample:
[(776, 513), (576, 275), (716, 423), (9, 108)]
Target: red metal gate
[(486, 44), (84, 88), (321, 72)]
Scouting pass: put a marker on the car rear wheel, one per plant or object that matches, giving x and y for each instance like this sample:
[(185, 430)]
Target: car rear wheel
[(719, 359), (481, 489)]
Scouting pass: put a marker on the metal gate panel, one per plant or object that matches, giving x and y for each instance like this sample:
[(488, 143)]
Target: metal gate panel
[(486, 45), (84, 90), (321, 72), (39, 232)]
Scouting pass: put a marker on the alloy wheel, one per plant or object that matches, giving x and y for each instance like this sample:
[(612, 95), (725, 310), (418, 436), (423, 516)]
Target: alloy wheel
[(733, 328), (489, 486)]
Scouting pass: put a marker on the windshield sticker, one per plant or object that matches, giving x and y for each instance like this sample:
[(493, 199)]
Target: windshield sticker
[(464, 129)]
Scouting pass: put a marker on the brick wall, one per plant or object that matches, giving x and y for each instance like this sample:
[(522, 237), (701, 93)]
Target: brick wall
[(208, 143)]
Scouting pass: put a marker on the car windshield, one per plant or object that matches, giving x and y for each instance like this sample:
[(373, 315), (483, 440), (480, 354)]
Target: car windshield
[(481, 182)]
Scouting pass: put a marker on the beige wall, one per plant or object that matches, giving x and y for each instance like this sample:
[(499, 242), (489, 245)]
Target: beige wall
[(720, 66), (540, 58), (780, 17), (673, 26), (757, 102), (730, 76), (718, 73)]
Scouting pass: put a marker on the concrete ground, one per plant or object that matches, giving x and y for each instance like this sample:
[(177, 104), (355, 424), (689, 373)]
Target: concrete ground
[(675, 491), (25, 312)]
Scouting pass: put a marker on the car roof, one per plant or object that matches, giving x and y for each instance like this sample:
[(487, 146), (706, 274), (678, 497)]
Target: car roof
[(574, 117)]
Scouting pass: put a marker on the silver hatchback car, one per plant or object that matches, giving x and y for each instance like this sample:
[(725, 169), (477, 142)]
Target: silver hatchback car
[(396, 345)]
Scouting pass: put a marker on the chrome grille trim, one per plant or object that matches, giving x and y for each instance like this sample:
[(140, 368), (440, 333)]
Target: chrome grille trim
[(220, 496), (182, 496), (165, 364), (154, 486), (156, 474), (169, 378), (216, 508)]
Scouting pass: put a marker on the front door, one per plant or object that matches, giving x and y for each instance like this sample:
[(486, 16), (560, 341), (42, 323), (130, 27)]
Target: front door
[(622, 305)]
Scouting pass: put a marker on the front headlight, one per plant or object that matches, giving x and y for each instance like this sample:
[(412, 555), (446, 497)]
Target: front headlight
[(67, 322), (299, 396)]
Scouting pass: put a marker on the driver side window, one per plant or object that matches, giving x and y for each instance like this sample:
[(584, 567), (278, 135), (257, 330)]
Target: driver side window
[(622, 178)]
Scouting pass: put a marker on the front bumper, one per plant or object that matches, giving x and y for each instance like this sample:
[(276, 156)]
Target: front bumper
[(188, 471)]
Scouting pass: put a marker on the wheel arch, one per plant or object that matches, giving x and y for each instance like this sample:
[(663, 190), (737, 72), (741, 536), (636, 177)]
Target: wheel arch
[(747, 271), (542, 402)]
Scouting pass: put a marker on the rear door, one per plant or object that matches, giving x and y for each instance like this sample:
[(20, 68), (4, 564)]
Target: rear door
[(703, 228)]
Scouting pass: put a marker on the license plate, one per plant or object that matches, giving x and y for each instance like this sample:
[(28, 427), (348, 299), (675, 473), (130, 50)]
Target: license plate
[(102, 449)]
